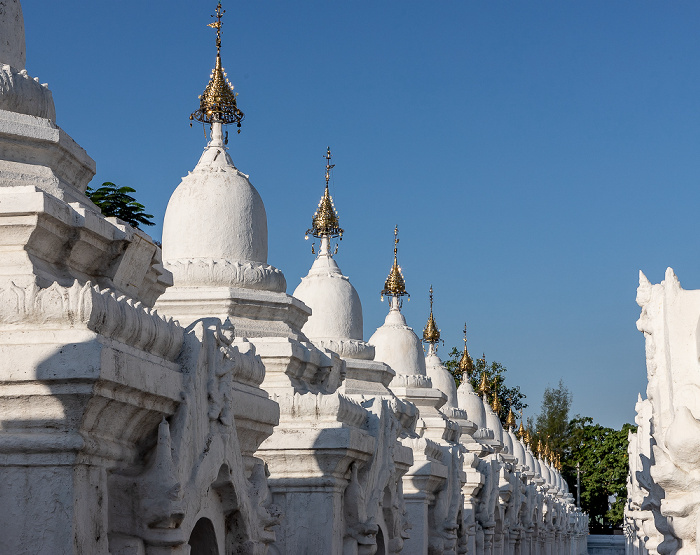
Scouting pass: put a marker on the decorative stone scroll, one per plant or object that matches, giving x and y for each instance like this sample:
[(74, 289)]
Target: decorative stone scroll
[(102, 311)]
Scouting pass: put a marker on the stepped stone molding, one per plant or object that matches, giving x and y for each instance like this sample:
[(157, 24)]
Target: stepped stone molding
[(102, 311), (207, 272), (47, 240)]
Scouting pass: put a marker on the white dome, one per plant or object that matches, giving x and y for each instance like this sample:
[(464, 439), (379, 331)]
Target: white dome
[(518, 449), (334, 302), (215, 227), (507, 441), (494, 423), (441, 378), (472, 403), (544, 472), (530, 461), (398, 346)]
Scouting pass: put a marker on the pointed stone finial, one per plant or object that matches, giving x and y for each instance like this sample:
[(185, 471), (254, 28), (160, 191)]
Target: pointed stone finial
[(395, 285), (431, 333), (325, 223), (217, 104), (12, 45)]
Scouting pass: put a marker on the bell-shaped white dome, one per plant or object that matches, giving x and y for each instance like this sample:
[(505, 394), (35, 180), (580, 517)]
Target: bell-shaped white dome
[(518, 449), (494, 423), (397, 345), (215, 228), (441, 378), (531, 461), (544, 472), (336, 318), (507, 441), (472, 403)]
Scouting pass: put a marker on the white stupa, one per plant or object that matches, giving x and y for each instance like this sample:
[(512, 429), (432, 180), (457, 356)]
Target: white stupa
[(435, 369), (395, 343), (215, 236), (336, 317)]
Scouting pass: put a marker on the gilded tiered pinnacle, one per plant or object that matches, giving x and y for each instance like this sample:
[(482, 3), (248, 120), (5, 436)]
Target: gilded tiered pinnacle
[(466, 364), (325, 221), (510, 421), (496, 404), (484, 384), (431, 333), (217, 104), (521, 429), (395, 285)]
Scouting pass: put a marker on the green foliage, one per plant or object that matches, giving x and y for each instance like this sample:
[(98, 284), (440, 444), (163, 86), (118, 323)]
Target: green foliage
[(116, 202), (602, 456), (508, 396), (551, 424)]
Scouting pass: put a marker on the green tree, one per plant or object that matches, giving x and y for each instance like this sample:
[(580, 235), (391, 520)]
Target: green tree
[(116, 202), (509, 397), (551, 424), (601, 454)]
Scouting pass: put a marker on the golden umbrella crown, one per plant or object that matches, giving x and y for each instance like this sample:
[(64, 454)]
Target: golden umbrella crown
[(510, 421), (431, 333), (395, 284), (218, 101), (325, 221), (466, 364)]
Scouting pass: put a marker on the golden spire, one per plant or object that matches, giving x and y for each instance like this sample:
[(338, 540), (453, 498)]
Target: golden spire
[(521, 429), (535, 447), (527, 436), (325, 221), (431, 333), (217, 104), (510, 421), (395, 285), (466, 364), (484, 385), (496, 405)]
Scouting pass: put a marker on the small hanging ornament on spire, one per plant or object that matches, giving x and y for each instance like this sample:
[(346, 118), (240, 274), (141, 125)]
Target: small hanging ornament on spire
[(217, 104), (395, 285)]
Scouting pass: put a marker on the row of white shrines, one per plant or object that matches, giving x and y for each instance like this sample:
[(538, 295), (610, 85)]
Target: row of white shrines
[(236, 418)]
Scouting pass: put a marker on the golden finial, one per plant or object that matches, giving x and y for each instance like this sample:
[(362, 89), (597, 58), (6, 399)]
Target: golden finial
[(466, 364), (431, 333), (510, 421), (527, 436), (496, 404), (395, 285), (484, 385), (535, 447), (521, 429), (217, 104), (325, 221)]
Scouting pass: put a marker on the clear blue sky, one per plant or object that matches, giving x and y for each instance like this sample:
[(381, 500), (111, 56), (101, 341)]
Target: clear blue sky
[(535, 155)]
